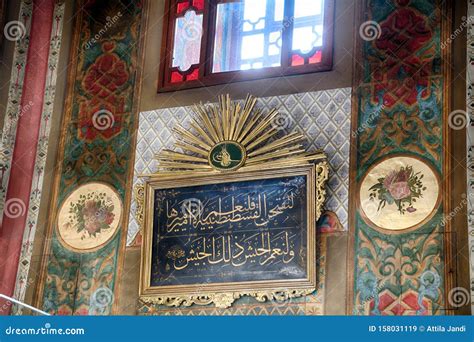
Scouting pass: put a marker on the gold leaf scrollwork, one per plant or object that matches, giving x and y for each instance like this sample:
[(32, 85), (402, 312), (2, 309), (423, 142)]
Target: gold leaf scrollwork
[(139, 193), (280, 296), (322, 175), (224, 300)]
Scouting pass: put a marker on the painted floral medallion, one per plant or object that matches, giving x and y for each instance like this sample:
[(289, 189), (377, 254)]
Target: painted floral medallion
[(399, 193), (89, 217)]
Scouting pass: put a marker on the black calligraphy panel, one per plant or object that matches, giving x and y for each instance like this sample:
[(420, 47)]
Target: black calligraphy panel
[(232, 232)]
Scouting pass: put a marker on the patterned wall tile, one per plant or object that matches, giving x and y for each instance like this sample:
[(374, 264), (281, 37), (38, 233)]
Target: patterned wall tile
[(323, 116)]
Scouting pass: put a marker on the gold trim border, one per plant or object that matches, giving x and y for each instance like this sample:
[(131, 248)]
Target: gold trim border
[(224, 294), (224, 300)]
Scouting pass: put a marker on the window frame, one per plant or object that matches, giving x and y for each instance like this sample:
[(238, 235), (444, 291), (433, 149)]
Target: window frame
[(208, 78)]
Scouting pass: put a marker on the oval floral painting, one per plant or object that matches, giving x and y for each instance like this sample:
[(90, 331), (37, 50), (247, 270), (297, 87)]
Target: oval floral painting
[(399, 193), (89, 217)]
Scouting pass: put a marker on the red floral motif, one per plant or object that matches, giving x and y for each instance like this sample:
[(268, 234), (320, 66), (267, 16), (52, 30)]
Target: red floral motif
[(95, 217), (87, 109), (402, 187), (105, 81), (81, 312), (403, 33), (397, 184), (106, 75), (405, 305), (404, 67), (64, 311)]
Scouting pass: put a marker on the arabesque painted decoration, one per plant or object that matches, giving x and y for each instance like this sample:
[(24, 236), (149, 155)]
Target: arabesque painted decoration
[(97, 146), (400, 95)]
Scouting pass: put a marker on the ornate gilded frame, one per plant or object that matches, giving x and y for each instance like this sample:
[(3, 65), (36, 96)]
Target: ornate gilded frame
[(224, 294), (224, 143)]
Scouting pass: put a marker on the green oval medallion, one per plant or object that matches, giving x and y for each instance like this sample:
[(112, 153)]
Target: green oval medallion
[(227, 155)]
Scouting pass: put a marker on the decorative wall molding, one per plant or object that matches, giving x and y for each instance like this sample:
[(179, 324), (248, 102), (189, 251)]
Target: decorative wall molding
[(15, 91), (41, 155), (470, 141)]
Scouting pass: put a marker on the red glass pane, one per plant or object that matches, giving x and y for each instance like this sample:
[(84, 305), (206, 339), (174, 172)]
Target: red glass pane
[(181, 7), (176, 77), (199, 4), (193, 75), (297, 60), (316, 58)]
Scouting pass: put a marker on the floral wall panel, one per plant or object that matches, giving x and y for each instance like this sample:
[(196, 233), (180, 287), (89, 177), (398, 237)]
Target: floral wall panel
[(82, 256), (398, 160)]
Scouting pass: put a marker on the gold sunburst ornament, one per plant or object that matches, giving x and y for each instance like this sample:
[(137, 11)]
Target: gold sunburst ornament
[(229, 136)]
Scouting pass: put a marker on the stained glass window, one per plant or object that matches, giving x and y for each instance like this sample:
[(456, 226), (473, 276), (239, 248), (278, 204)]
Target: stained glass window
[(219, 41), (187, 40), (308, 32)]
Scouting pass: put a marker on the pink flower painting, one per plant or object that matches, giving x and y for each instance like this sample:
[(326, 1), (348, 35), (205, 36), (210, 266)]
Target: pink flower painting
[(400, 187), (91, 214)]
